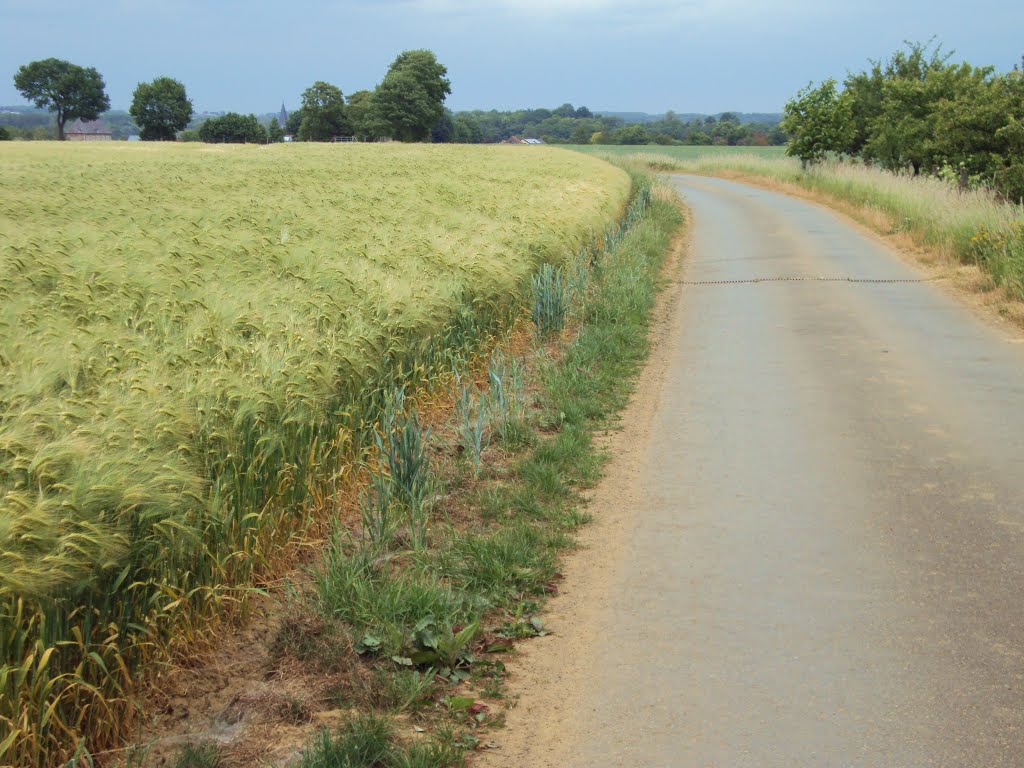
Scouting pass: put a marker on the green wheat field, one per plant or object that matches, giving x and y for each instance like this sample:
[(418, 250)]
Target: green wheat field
[(194, 343)]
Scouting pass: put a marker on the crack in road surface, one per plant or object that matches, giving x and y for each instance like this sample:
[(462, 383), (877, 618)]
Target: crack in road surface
[(798, 279), (809, 550)]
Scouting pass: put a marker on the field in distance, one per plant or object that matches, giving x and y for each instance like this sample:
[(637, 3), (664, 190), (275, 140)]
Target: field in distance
[(190, 339), (679, 153)]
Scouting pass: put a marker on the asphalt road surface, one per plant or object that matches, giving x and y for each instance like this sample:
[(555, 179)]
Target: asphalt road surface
[(824, 561)]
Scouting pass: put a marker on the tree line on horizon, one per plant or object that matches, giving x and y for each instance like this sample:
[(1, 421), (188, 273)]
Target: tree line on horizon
[(569, 125), (918, 113), (408, 105)]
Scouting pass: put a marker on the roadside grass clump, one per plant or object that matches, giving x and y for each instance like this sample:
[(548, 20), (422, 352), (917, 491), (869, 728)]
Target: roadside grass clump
[(516, 560), (972, 226), (383, 599), (369, 741), (404, 690), (198, 756), (430, 620), (365, 742), (197, 347)]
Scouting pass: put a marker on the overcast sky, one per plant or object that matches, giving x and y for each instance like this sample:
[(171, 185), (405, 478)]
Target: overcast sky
[(648, 55)]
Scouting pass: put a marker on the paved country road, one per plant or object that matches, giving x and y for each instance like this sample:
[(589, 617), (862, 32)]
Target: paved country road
[(810, 551)]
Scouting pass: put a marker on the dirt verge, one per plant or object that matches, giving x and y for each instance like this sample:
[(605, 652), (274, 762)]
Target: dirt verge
[(544, 676)]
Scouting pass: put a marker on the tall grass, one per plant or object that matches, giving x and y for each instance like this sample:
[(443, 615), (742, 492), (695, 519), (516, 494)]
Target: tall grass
[(196, 347), (972, 226)]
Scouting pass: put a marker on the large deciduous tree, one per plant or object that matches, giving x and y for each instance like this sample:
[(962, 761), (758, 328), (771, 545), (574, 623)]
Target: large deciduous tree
[(979, 128), (323, 113), (66, 89), (365, 118), (161, 109), (411, 95), (818, 121)]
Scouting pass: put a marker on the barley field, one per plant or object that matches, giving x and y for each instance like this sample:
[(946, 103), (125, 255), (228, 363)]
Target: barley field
[(194, 346)]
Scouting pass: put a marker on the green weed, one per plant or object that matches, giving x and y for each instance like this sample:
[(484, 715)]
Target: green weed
[(404, 690), (198, 756), (364, 742), (384, 606), (512, 561)]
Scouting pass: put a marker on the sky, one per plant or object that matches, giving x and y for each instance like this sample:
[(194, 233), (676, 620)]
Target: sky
[(704, 56)]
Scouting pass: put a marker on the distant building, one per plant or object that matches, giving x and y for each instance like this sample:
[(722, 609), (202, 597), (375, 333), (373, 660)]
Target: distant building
[(88, 130), (282, 118), (521, 140)]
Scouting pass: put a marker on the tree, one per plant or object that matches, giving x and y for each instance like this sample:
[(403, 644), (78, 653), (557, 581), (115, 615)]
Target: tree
[(233, 128), (913, 81), (275, 134), (979, 129), (411, 95), (466, 130), (364, 117), (728, 130), (323, 113), (445, 128), (4, 134), (64, 88), (818, 122), (293, 123), (631, 134), (581, 133), (161, 109), (891, 87)]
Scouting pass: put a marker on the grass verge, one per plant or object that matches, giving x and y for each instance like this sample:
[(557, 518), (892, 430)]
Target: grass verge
[(432, 609)]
